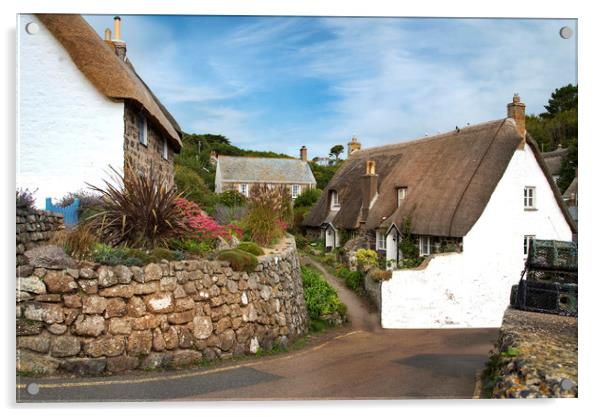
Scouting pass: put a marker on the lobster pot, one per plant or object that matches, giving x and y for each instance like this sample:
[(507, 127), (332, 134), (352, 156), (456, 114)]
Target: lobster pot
[(552, 255), (552, 276)]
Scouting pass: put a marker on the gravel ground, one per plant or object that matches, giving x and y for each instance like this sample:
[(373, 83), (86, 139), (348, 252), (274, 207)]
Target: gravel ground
[(536, 356)]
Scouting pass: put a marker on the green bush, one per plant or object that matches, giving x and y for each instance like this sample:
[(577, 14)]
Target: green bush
[(190, 183), (353, 279), (301, 241), (239, 259), (194, 246), (251, 247), (320, 298), (121, 255), (366, 258), (231, 198), (308, 197)]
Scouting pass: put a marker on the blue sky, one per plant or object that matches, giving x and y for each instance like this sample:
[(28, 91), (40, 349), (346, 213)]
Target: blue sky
[(277, 83)]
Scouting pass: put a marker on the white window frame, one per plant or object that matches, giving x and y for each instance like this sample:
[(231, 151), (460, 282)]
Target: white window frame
[(295, 190), (165, 151), (527, 244), (381, 241), (243, 189), (402, 192), (421, 242), (142, 129), (529, 197), (334, 200)]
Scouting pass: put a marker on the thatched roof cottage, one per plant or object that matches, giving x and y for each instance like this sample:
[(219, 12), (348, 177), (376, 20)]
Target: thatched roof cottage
[(481, 191), (83, 107)]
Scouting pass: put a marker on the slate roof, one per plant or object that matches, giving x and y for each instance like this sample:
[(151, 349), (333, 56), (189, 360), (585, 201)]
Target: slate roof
[(272, 170), (449, 177)]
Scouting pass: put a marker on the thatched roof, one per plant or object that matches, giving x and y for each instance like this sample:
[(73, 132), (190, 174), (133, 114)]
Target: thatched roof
[(269, 170), (572, 189), (112, 76), (554, 159), (449, 179)]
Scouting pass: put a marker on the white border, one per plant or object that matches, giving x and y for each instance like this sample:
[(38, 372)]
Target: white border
[(590, 69)]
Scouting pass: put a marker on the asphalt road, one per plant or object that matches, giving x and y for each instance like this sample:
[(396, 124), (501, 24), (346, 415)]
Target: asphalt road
[(358, 361)]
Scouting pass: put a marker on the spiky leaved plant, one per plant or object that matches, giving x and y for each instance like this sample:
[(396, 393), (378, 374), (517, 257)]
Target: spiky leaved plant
[(137, 210), (269, 212)]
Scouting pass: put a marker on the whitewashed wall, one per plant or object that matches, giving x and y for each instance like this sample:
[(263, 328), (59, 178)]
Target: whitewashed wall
[(68, 132), (472, 289)]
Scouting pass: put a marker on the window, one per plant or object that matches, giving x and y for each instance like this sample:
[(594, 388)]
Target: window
[(142, 130), (165, 152), (243, 189), (527, 243), (529, 197), (425, 245), (380, 241), (295, 190), (334, 200), (401, 194)]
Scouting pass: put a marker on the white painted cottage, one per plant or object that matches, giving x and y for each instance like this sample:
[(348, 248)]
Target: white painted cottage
[(81, 107), (474, 198)]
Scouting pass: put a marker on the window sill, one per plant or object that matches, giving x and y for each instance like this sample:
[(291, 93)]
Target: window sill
[(530, 208)]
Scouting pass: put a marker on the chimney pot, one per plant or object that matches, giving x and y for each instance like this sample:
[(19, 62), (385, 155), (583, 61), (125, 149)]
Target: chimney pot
[(117, 20), (107, 34), (516, 111), (303, 153)]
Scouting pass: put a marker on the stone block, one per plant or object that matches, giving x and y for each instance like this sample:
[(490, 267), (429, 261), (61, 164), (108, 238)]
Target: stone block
[(140, 342), (105, 346), (59, 282), (84, 366), (63, 346), (89, 325), (94, 304)]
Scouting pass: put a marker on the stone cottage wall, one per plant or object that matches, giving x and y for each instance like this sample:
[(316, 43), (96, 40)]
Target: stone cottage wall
[(146, 157), (93, 319), (35, 228)]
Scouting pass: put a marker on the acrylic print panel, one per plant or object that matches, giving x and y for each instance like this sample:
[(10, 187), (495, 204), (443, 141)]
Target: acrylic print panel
[(178, 236)]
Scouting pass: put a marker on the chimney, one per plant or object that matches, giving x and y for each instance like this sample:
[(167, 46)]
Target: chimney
[(353, 146), (369, 188), (118, 44), (303, 153), (107, 34), (516, 111)]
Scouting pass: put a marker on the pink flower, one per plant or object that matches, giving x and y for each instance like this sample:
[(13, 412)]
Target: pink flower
[(201, 225)]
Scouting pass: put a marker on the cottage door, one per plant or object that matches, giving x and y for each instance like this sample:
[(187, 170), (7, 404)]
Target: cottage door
[(391, 249)]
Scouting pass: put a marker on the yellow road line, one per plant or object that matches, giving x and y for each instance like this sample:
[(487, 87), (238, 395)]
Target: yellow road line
[(185, 375)]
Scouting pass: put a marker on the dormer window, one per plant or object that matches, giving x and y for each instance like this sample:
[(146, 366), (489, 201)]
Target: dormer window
[(401, 195), (334, 200), (142, 130)]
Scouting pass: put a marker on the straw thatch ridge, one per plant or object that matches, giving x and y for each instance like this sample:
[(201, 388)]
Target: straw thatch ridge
[(113, 77), (449, 178)]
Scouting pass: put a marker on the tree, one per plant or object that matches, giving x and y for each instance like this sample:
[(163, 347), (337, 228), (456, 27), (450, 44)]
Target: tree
[(336, 150), (558, 126), (563, 99), (568, 167), (322, 173)]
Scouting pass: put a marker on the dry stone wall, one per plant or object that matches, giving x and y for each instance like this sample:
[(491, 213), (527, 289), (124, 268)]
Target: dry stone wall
[(35, 228), (93, 319)]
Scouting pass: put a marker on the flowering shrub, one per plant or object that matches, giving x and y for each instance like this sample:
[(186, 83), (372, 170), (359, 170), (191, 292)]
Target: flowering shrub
[(202, 226)]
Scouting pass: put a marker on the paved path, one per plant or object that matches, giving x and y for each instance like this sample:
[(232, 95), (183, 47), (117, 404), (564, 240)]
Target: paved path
[(358, 361)]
